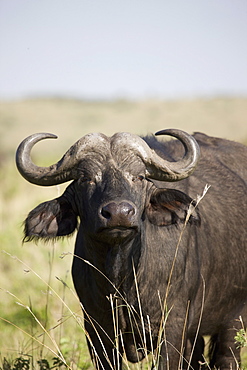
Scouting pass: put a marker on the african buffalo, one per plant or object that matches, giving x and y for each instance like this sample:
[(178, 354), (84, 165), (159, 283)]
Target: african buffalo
[(154, 271)]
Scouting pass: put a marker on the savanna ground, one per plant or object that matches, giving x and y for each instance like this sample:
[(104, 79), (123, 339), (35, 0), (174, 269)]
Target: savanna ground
[(40, 315)]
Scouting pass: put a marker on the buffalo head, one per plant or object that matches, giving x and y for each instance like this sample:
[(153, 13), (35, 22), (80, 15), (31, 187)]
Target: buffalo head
[(112, 189)]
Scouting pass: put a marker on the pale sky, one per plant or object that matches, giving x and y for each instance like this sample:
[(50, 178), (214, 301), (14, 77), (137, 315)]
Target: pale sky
[(131, 48)]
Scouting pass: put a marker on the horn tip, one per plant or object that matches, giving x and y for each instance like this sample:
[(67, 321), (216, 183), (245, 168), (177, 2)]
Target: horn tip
[(168, 131), (47, 135)]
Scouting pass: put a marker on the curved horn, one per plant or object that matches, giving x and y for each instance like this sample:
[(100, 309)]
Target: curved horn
[(158, 168), (60, 172), (183, 168)]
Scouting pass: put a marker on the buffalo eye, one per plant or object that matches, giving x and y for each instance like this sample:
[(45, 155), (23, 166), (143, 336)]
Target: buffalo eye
[(138, 178), (86, 180)]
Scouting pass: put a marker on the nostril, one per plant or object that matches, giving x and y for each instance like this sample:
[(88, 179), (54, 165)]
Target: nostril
[(109, 210), (127, 209), (132, 212), (105, 213)]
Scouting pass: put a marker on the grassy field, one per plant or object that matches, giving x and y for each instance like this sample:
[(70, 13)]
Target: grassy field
[(40, 314)]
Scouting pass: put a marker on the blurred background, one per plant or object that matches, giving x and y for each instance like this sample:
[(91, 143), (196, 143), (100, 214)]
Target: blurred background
[(80, 66)]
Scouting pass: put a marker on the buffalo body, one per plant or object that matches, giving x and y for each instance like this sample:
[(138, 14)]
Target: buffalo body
[(154, 270)]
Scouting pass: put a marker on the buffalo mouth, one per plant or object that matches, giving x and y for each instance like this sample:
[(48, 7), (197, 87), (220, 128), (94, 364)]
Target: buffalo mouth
[(117, 233)]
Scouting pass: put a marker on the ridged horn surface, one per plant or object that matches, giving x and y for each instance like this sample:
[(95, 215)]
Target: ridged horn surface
[(156, 167), (63, 170)]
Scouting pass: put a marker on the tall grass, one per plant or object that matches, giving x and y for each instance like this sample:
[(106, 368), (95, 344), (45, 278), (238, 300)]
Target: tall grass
[(52, 331), (37, 298)]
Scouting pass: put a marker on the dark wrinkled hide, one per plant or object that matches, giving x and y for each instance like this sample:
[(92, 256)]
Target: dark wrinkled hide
[(129, 230)]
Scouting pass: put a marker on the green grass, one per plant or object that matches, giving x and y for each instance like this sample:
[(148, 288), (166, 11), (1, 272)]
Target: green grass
[(38, 305), (41, 317)]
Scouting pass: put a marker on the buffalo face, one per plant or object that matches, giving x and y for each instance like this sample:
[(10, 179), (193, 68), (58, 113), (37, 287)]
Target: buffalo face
[(109, 201), (111, 210)]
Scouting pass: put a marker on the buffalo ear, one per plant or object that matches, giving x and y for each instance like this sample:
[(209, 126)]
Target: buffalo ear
[(170, 206), (50, 220)]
